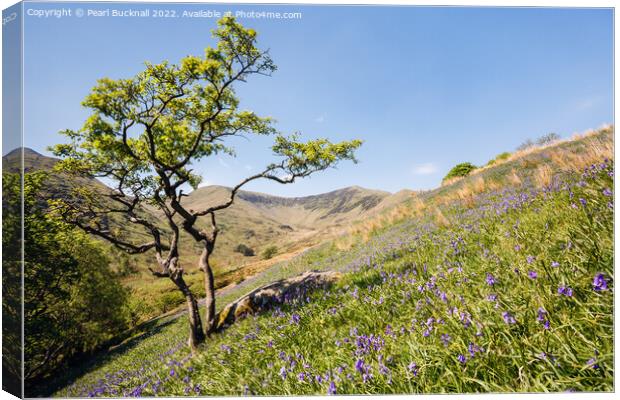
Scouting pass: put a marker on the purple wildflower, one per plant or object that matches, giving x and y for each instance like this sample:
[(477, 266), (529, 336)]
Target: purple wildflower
[(566, 291), (541, 314), (542, 317), (490, 280), (530, 259), (473, 349), (532, 274), (465, 319), (359, 365), (332, 388), (461, 358), (593, 364), (599, 283), (555, 264), (508, 318), (413, 368)]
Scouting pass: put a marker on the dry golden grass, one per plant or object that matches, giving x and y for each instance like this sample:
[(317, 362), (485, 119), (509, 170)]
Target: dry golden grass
[(513, 178), (417, 207), (467, 188), (543, 175), (478, 185), (466, 195), (573, 161), (345, 242), (556, 144), (440, 218), (451, 181), (365, 229), (412, 208)]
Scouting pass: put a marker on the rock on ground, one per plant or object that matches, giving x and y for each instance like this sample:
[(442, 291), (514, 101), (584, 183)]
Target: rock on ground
[(278, 292)]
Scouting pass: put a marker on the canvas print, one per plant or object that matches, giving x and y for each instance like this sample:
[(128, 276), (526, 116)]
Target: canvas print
[(212, 199)]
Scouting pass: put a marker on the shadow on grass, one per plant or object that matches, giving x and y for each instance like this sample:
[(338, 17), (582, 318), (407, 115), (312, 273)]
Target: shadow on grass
[(85, 363)]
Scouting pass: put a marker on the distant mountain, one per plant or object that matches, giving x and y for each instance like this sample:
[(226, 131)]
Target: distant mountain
[(258, 220), (33, 161), (309, 212)]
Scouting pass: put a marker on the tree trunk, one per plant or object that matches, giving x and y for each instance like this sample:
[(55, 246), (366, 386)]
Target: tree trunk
[(196, 335), (209, 291)]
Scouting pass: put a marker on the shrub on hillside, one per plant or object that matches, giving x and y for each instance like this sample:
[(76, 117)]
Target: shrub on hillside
[(269, 252), (528, 144), (544, 140), (547, 139), (245, 250), (500, 157), (169, 301), (459, 171)]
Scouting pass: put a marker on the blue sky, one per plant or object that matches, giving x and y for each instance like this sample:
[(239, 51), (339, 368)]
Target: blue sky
[(425, 88)]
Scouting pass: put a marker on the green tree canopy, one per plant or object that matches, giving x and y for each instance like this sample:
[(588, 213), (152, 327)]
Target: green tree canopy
[(460, 170), (147, 132), (73, 301)]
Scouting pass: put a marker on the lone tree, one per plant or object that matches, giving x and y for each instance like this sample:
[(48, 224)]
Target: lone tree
[(146, 132)]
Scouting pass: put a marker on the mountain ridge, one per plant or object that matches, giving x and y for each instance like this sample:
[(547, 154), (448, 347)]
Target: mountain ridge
[(33, 158)]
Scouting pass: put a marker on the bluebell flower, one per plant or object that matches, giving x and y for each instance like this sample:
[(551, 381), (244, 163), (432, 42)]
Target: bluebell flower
[(508, 318), (565, 290), (599, 283)]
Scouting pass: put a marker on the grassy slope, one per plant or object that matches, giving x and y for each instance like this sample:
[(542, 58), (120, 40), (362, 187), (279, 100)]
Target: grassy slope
[(417, 311)]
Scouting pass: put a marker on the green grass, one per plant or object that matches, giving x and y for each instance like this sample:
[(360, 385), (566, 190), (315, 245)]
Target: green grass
[(421, 309)]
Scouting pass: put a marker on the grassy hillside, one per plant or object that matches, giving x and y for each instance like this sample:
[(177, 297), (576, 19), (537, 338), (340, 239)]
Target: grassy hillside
[(259, 220), (500, 282), (256, 220)]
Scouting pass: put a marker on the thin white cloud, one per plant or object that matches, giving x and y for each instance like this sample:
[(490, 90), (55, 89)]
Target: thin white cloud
[(424, 169), (320, 119), (587, 103), (223, 163)]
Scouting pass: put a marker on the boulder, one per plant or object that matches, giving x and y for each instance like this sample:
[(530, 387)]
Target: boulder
[(265, 297)]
